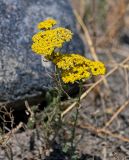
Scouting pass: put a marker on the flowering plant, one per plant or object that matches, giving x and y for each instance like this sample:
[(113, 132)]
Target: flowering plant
[(70, 67), (73, 67)]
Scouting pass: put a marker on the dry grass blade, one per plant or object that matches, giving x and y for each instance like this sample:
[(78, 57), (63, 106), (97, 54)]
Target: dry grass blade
[(100, 131), (87, 36), (93, 86), (127, 82), (116, 114), (89, 41), (117, 136), (79, 5)]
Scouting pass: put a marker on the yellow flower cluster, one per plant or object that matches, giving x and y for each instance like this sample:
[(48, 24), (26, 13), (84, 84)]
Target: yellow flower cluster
[(45, 42), (47, 24), (75, 67)]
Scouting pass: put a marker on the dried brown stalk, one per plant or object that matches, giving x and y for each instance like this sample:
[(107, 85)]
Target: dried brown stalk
[(87, 36), (89, 41), (100, 131), (115, 115), (4, 139)]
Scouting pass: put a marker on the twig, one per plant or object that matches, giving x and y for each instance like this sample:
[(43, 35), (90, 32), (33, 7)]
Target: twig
[(104, 151), (100, 131), (116, 114), (29, 110), (122, 138), (89, 41), (6, 137), (127, 82), (94, 14), (87, 36), (93, 86)]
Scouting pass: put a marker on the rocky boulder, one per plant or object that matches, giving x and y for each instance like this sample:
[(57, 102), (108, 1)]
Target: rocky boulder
[(22, 74)]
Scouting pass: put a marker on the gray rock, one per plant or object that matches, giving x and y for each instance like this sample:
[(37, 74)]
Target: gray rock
[(21, 72)]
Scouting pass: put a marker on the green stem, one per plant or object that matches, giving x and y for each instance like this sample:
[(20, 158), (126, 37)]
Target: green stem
[(75, 121), (57, 105)]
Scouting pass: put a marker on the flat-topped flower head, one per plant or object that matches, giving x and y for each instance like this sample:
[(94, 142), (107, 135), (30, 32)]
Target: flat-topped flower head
[(75, 67), (45, 42), (68, 61), (47, 24)]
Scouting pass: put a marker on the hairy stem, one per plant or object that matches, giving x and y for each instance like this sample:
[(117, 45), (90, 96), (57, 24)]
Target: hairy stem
[(75, 121)]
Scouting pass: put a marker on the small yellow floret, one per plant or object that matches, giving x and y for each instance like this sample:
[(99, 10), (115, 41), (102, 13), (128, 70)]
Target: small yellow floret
[(47, 24)]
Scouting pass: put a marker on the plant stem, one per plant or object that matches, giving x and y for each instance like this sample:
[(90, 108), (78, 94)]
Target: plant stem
[(75, 121), (57, 113)]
